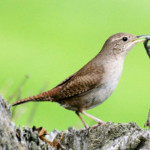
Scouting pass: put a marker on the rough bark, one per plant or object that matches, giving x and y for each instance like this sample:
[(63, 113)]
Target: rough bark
[(108, 136)]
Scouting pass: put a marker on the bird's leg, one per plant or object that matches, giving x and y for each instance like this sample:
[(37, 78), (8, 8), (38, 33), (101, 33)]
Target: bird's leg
[(92, 117), (85, 125)]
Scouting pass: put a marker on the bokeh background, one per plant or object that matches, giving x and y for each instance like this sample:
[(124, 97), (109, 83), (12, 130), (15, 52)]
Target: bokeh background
[(48, 40)]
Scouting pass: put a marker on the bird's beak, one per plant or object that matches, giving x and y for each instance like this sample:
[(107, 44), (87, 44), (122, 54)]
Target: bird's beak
[(141, 38)]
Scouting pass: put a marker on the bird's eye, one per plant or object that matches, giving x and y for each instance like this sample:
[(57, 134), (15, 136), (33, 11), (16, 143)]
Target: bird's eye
[(124, 39)]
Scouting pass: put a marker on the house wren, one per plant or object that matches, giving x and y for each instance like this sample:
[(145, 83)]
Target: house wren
[(93, 83)]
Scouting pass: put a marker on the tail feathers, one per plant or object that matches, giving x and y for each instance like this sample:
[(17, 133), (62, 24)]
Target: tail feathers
[(37, 98)]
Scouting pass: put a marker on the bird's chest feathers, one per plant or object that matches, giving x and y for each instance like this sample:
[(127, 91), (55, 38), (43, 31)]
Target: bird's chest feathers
[(108, 83), (112, 74)]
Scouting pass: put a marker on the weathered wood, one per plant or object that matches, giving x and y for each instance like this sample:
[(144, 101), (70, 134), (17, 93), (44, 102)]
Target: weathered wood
[(108, 136)]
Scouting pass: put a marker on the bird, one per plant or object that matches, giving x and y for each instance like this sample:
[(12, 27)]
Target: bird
[(94, 82)]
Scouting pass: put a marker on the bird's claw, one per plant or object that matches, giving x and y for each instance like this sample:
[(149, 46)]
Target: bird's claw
[(94, 126)]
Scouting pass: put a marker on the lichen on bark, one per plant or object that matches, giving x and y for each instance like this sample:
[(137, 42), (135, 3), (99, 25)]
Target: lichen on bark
[(109, 136)]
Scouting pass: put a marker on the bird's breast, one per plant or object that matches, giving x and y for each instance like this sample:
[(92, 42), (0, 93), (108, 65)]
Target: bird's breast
[(109, 82)]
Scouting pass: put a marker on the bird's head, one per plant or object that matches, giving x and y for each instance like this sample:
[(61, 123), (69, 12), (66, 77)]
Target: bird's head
[(121, 43)]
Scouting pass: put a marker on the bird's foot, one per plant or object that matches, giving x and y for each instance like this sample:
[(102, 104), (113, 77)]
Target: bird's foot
[(96, 125)]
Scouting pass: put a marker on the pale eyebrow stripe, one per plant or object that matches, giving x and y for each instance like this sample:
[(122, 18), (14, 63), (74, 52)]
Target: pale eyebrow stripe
[(114, 39)]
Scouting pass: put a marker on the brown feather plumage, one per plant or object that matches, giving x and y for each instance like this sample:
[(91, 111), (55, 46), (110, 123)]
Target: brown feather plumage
[(75, 85)]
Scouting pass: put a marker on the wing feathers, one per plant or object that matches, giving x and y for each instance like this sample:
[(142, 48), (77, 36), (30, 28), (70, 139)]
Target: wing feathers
[(76, 85)]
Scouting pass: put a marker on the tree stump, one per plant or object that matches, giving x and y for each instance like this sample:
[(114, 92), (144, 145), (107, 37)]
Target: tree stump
[(109, 136)]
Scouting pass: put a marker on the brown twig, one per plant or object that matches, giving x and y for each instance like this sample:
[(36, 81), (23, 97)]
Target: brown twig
[(147, 124), (34, 108), (17, 92)]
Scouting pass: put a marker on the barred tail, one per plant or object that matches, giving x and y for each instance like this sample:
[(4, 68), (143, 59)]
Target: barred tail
[(41, 97)]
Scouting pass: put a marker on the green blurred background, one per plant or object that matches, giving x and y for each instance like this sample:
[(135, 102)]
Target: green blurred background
[(50, 40)]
